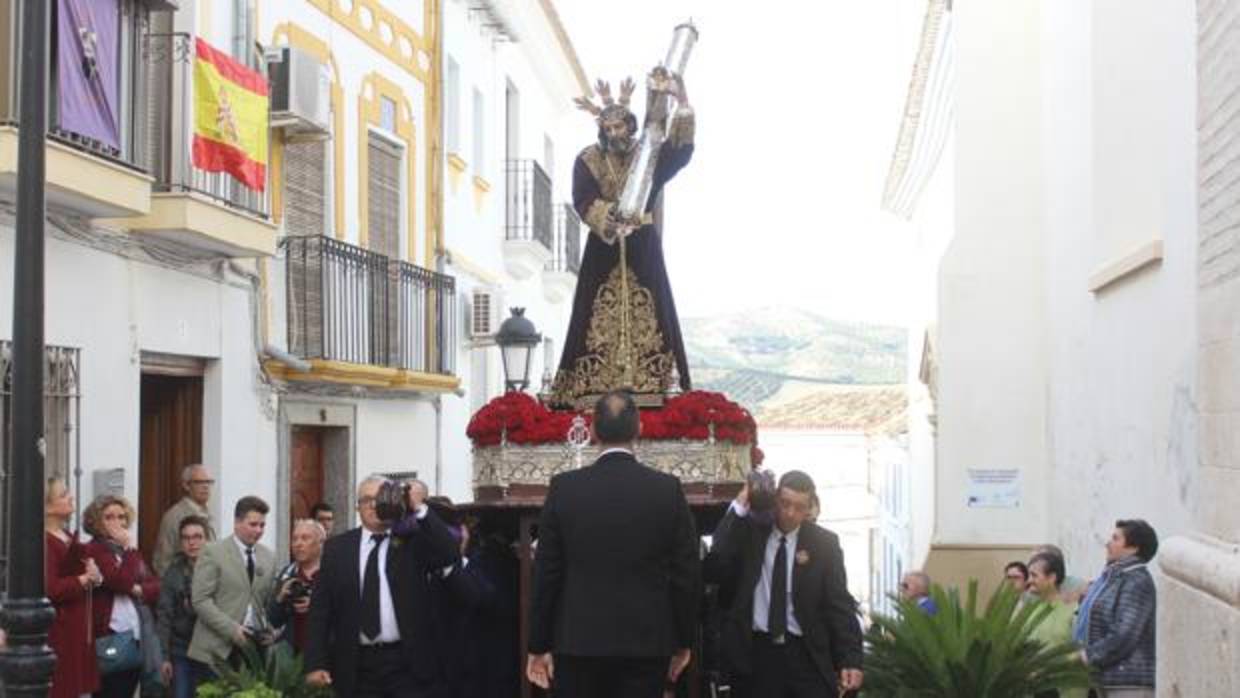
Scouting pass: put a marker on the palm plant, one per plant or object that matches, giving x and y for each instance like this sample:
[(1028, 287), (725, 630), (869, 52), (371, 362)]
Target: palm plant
[(276, 675), (958, 653)]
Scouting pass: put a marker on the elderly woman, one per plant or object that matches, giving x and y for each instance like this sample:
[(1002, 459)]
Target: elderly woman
[(126, 583), (1115, 625), (70, 577), (291, 604), (1046, 575)]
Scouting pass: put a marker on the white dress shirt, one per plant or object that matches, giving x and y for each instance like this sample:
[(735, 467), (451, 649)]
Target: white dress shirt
[(762, 591), (389, 631), (249, 608)]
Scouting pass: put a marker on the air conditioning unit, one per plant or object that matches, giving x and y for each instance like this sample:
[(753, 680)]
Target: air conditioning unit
[(300, 94), (484, 315)]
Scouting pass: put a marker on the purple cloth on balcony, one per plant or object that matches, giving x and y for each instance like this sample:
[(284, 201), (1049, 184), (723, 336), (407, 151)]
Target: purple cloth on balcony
[(88, 69)]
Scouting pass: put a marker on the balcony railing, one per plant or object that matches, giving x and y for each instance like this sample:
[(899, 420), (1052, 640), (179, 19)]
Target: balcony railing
[(529, 203), (170, 118), (349, 304), (131, 95), (566, 247)]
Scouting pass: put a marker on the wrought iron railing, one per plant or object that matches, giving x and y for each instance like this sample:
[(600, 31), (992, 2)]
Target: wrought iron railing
[(346, 303), (566, 246), (529, 203), (131, 151), (170, 118)]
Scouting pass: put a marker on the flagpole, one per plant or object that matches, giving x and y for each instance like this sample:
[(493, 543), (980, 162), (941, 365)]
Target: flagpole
[(26, 662)]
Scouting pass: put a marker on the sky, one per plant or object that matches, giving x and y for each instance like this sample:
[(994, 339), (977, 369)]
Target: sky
[(798, 106)]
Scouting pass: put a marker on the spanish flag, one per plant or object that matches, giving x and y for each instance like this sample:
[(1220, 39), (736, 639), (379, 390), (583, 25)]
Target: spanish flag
[(230, 117)]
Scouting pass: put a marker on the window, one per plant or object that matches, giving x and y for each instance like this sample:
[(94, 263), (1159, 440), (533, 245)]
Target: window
[(61, 419), (387, 114), (452, 108), (243, 32), (305, 188), (480, 162), (384, 201)]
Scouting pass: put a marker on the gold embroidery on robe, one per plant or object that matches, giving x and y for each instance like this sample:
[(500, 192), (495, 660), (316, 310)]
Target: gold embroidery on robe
[(647, 367)]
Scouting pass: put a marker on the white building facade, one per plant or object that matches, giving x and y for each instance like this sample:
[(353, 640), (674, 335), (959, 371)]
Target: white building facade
[(1084, 336), (512, 237), (297, 339)]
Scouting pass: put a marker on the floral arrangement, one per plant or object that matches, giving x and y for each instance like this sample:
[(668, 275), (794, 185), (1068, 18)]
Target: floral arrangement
[(521, 419)]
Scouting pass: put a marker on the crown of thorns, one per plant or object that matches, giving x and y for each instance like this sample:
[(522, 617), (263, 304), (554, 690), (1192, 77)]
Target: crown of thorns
[(610, 108)]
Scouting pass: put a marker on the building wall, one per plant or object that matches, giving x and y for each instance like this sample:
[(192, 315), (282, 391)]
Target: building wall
[(115, 308), (1119, 156), (991, 316), (475, 212), (1200, 590)]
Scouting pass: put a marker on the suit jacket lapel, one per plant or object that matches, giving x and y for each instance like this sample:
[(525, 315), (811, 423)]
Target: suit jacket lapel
[(353, 546), (800, 573)]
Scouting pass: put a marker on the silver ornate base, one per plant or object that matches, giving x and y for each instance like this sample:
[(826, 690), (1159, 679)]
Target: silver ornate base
[(694, 462)]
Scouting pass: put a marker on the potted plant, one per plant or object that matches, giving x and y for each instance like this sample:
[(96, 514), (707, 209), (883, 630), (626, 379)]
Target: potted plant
[(277, 675), (960, 651)]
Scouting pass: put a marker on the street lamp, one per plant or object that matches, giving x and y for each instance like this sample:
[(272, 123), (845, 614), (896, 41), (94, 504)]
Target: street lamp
[(517, 338)]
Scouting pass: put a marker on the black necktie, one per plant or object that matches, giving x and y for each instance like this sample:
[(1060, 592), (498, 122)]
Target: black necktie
[(777, 620), (249, 563), (370, 590)]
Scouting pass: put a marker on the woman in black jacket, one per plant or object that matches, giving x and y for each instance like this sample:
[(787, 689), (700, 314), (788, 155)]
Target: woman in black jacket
[(176, 615)]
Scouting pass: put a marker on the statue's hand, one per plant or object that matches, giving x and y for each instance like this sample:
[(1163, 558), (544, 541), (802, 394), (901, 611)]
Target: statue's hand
[(660, 80)]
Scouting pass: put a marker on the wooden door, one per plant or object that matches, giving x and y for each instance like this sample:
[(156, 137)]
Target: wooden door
[(171, 438), (306, 481)]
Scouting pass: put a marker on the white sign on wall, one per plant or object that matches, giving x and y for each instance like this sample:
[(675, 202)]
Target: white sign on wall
[(993, 488)]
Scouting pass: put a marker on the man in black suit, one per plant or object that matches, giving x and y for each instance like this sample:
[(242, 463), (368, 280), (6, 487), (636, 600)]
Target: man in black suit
[(792, 629), (370, 631), (617, 572)]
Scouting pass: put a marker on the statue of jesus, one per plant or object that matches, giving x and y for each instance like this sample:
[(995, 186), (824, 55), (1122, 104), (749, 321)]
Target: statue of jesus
[(624, 332)]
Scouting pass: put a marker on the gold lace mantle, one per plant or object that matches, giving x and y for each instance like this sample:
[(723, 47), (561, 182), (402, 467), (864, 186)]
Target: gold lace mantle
[(646, 367)]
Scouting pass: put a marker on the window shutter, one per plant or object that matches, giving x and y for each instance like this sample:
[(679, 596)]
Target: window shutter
[(383, 202), (305, 198)]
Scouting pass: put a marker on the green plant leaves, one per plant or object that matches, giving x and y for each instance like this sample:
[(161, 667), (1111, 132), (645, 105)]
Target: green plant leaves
[(961, 652), (278, 674)]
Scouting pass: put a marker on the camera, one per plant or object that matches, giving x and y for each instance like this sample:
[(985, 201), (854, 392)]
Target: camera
[(391, 501), (761, 491), (298, 590)]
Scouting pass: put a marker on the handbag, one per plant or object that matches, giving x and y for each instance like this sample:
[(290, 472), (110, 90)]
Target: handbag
[(118, 652)]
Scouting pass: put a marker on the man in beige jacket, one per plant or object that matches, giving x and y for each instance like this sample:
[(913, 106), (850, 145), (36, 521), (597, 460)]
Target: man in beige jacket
[(196, 482), (232, 584)]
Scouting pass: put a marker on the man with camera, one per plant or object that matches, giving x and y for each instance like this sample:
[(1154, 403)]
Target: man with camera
[(617, 573), (291, 605), (791, 630), (371, 631), (232, 581)]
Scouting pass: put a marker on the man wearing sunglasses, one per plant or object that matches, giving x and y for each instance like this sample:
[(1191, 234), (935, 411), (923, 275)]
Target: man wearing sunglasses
[(792, 628)]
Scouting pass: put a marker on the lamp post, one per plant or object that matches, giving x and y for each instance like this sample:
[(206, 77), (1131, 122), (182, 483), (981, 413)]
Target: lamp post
[(26, 662), (517, 338)]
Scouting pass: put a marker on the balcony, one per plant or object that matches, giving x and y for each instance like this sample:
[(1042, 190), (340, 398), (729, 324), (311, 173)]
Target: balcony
[(560, 273), (528, 219), (208, 213), (361, 318), (93, 169)]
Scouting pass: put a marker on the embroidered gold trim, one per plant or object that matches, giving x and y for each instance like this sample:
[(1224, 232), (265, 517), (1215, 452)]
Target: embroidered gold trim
[(646, 367)]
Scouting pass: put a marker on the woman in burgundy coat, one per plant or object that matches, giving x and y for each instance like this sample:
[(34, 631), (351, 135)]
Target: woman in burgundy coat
[(126, 583), (70, 575)]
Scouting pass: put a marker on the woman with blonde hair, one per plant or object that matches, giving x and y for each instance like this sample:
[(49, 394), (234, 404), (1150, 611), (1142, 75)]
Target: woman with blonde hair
[(126, 583), (69, 577)]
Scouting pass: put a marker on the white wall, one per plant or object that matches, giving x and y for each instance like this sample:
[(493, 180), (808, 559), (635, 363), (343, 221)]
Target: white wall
[(1119, 153), (113, 309), (991, 311), (474, 225)]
